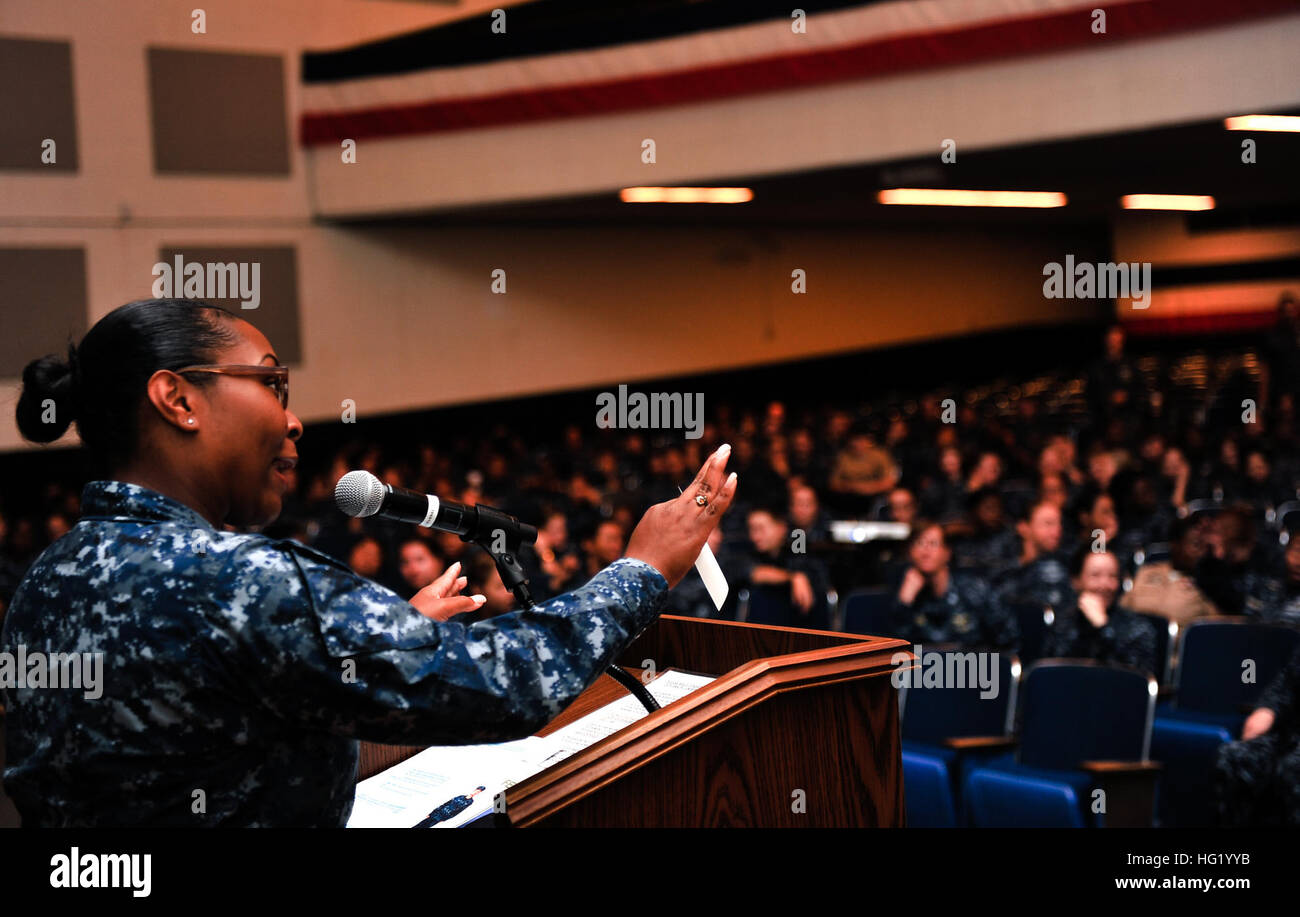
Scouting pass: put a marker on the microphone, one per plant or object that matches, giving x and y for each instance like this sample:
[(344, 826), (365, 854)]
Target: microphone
[(360, 493)]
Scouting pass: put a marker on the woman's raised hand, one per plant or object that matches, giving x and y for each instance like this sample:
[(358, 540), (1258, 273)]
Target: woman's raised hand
[(671, 534)]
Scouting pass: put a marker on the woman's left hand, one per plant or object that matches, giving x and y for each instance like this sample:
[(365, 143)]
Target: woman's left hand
[(441, 600)]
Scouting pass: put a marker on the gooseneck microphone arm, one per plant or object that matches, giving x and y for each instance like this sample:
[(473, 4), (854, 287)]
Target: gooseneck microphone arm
[(514, 578), (360, 493)]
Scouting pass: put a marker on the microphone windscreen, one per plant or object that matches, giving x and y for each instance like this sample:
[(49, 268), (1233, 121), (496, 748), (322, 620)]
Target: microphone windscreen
[(359, 493)]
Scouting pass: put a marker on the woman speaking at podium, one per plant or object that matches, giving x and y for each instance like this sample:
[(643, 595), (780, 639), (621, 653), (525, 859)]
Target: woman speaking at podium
[(239, 672)]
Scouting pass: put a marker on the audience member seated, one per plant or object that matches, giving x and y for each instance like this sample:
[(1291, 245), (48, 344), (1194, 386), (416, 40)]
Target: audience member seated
[(551, 564), (419, 566), (1273, 596), (945, 498), (1099, 525), (793, 582), (807, 515), (1257, 780), (935, 604), (1095, 626), (1236, 570), (863, 470), (1043, 577), (989, 548), (1168, 587), (601, 548)]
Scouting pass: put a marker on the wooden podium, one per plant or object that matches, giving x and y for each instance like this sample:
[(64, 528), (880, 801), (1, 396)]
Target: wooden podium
[(800, 729)]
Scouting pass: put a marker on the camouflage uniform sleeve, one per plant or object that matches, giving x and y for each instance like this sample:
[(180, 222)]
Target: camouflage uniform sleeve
[(340, 653), (1281, 694)]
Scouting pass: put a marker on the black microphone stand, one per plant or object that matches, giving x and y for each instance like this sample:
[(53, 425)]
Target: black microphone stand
[(514, 578)]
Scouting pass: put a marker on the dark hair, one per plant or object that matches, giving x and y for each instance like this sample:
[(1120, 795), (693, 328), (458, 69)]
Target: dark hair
[(1181, 527), (980, 494), (417, 540), (102, 381), (1080, 557), (778, 513), (920, 527), (1031, 507)]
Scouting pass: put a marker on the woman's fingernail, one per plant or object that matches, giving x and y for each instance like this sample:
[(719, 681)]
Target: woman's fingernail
[(724, 448), (480, 599), (731, 477)]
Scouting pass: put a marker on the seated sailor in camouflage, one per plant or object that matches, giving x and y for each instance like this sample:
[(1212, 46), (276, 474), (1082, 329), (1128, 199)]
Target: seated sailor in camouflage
[(240, 671), (1042, 577), (1257, 780), (1095, 626), (936, 604)]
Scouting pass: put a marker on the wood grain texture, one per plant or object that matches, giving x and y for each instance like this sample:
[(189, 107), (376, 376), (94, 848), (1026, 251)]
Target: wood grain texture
[(797, 719)]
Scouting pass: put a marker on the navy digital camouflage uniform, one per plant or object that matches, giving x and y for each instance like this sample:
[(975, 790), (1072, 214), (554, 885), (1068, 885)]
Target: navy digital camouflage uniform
[(1257, 782), (249, 668), (1125, 639), (990, 554), (1269, 599), (968, 613), (1045, 580)]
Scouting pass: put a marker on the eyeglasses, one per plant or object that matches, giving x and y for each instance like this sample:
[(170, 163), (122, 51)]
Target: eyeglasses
[(278, 374)]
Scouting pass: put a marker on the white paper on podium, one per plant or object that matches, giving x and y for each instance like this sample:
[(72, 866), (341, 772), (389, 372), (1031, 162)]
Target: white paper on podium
[(407, 792)]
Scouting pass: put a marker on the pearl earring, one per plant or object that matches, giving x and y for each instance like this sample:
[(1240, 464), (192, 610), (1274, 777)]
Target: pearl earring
[(191, 420)]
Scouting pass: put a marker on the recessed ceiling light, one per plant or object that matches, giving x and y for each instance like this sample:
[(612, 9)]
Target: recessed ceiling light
[(1263, 123), (654, 195), (1167, 202), (946, 197)]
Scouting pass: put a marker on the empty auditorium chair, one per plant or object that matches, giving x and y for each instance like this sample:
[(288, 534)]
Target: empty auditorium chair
[(948, 730), (1211, 700), (1084, 727), (869, 611)]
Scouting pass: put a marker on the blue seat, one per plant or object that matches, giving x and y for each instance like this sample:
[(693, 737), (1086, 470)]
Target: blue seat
[(1187, 749), (932, 715), (1209, 676), (928, 787), (1008, 795), (1210, 704), (932, 772), (1073, 711), (869, 611)]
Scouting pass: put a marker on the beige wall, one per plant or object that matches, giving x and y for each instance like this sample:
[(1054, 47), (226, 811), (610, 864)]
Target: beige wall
[(401, 318)]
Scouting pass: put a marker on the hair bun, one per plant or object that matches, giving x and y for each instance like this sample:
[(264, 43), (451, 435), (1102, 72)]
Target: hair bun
[(48, 403)]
